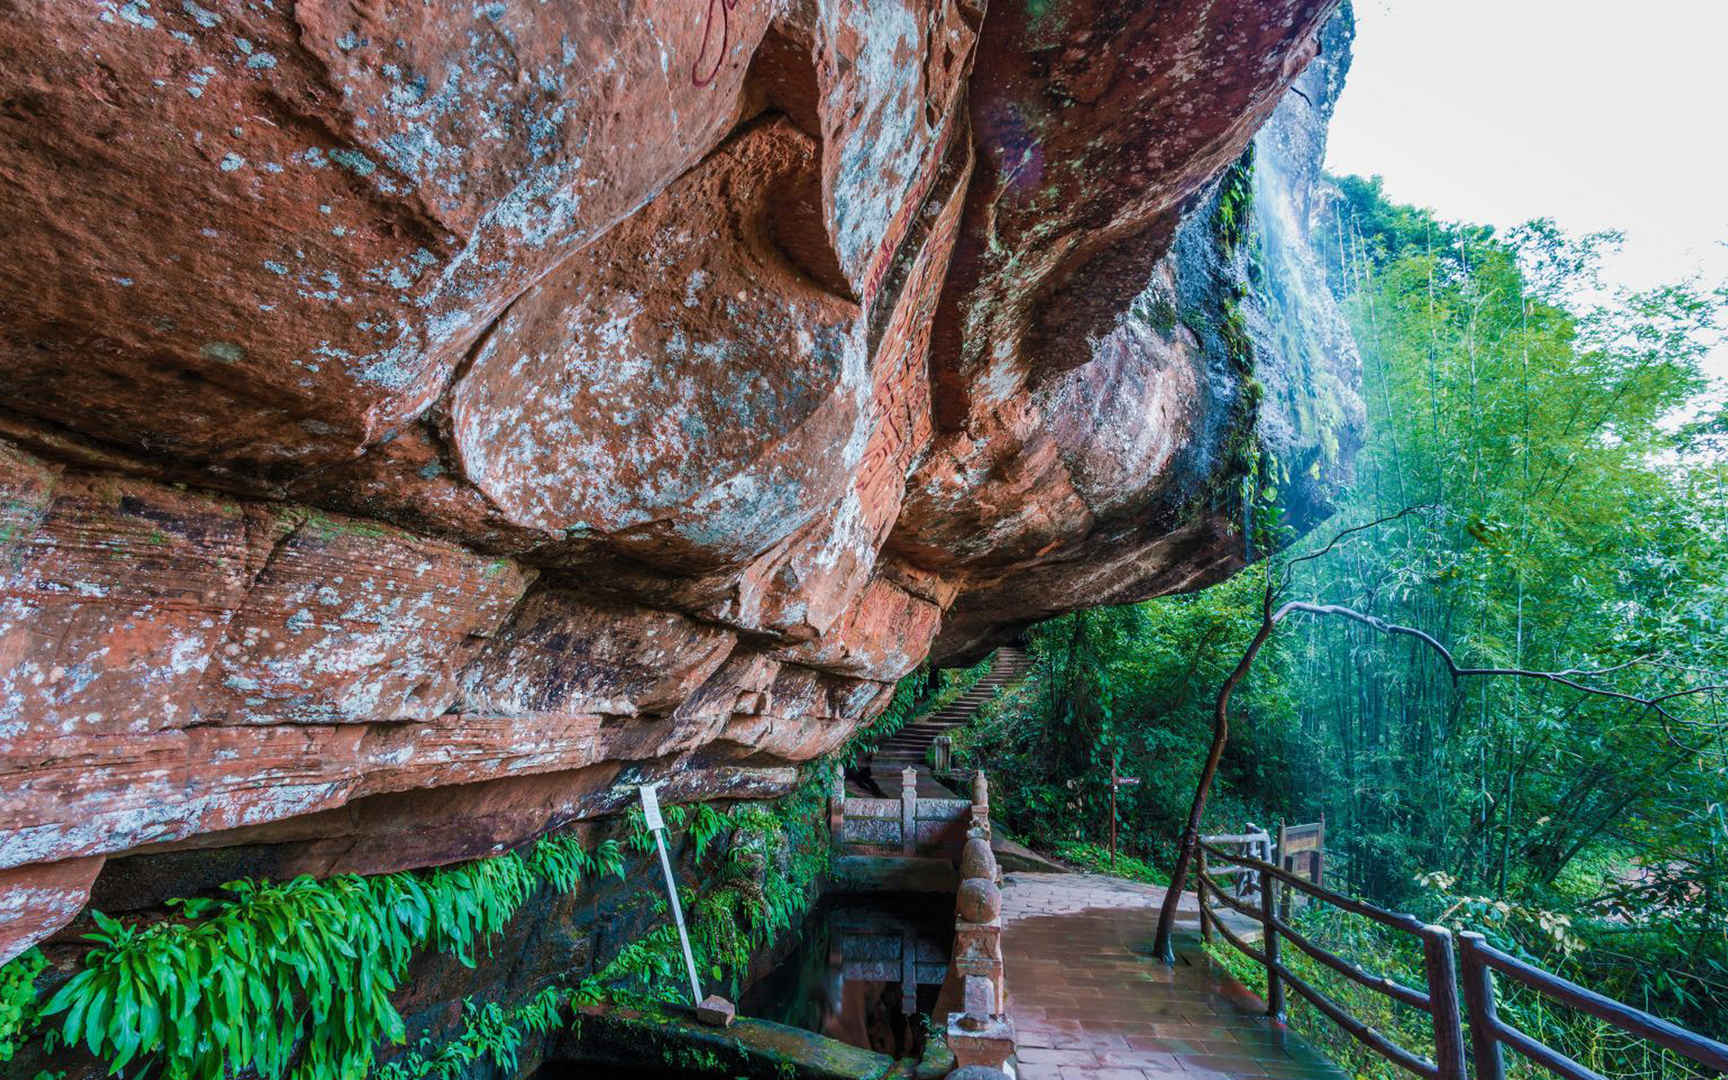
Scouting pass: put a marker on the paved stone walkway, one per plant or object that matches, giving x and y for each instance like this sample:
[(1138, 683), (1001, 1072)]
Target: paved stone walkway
[(1088, 1000)]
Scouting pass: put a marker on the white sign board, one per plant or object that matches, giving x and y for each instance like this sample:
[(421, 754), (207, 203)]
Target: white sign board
[(651, 806)]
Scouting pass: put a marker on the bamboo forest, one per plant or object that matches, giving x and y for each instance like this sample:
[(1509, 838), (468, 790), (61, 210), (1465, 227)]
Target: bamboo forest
[(1543, 487)]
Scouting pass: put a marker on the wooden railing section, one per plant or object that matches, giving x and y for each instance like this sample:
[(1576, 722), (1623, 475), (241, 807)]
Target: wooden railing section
[(1439, 998), (1255, 844), (1479, 962), (1475, 966)]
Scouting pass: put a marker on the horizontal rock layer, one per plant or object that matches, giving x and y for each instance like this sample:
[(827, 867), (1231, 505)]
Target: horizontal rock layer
[(421, 421)]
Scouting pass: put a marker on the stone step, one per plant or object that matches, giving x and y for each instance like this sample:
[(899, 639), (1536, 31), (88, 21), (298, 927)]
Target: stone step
[(911, 744)]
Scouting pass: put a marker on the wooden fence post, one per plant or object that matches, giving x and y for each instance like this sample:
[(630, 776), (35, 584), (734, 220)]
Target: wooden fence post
[(1479, 999), (1200, 895), (1285, 862), (1319, 863), (1269, 943), (1443, 1002)]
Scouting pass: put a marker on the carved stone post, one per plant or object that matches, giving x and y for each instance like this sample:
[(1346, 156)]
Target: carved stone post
[(943, 748), (909, 811), (981, 1034), (981, 803), (837, 805)]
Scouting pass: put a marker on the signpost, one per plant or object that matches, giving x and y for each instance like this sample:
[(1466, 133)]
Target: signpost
[(657, 825), (1116, 782)]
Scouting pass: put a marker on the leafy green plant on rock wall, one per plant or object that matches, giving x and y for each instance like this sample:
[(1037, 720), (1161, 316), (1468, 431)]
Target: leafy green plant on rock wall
[(1235, 203), (491, 1032), (18, 999), (764, 887), (293, 979), (765, 884)]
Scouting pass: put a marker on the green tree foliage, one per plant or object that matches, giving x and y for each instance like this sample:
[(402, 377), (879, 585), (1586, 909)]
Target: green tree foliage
[(1132, 684), (1573, 459)]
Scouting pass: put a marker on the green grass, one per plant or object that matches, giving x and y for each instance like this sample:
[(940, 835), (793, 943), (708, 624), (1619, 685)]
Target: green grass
[(1096, 859)]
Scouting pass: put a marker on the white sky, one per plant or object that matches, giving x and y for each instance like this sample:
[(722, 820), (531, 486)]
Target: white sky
[(1597, 113)]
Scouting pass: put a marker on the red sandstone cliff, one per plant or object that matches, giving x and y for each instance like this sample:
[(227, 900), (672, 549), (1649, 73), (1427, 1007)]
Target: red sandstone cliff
[(419, 417)]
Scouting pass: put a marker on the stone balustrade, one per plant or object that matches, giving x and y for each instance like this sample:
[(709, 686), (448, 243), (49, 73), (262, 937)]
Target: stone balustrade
[(980, 1034)]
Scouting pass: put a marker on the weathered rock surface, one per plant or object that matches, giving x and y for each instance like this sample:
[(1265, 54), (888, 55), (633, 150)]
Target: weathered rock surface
[(418, 422)]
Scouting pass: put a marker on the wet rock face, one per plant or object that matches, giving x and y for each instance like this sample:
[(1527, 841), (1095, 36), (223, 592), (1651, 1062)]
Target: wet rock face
[(422, 421), (680, 386), (296, 218)]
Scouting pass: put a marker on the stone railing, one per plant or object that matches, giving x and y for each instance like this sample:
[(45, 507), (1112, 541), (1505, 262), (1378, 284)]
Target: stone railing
[(908, 825), (981, 1032), (911, 831)]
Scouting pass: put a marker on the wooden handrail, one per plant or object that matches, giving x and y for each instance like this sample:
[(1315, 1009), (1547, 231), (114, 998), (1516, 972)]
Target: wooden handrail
[(1544, 1055), (1231, 902), (1241, 946), (1477, 963), (1364, 1034), (1704, 1050), (1440, 1001), (1396, 920), (1390, 987), (1479, 959), (1239, 838)]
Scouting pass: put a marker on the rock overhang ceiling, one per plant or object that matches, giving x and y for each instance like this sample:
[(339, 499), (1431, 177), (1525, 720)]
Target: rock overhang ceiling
[(417, 414)]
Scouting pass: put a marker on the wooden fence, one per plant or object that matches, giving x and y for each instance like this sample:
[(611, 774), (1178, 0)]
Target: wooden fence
[(1475, 966), (1488, 1033), (1300, 849), (1439, 998), (1255, 845)]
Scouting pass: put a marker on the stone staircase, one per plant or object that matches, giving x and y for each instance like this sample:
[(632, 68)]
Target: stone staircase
[(911, 743)]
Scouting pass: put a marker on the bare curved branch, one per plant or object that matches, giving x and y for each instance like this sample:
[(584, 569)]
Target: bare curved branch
[(1345, 534), (1459, 671)]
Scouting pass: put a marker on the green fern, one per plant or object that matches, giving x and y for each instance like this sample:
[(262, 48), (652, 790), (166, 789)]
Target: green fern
[(294, 979)]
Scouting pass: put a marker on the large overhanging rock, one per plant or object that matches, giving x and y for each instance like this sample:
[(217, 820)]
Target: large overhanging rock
[(420, 421)]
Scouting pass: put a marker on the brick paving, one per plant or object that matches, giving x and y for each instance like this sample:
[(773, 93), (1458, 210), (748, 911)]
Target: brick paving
[(1088, 1000)]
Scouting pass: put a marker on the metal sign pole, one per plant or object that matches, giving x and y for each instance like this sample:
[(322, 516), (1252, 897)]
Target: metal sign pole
[(651, 812)]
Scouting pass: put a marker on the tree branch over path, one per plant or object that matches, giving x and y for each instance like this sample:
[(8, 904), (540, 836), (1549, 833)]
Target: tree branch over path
[(1273, 613), (1458, 671)]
